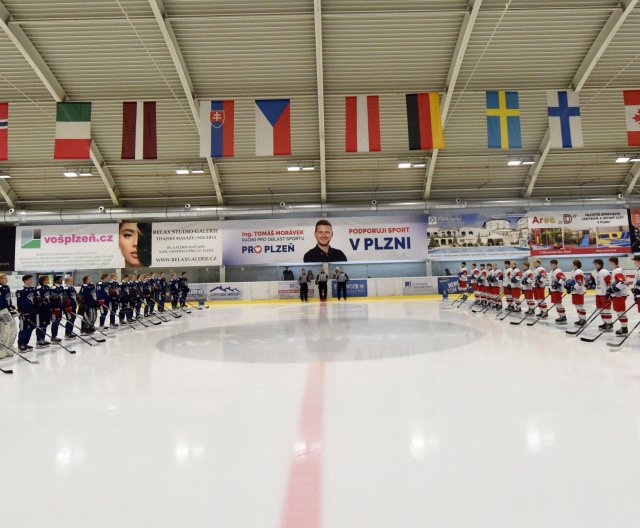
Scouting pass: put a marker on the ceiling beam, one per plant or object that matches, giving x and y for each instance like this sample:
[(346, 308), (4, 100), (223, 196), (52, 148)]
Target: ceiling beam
[(24, 45), (631, 179), (597, 49), (454, 70), (317, 17), (8, 194), (180, 65)]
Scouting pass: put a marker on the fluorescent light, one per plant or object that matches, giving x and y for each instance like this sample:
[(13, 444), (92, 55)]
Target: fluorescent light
[(4, 176), (182, 171), (70, 174), (85, 173), (634, 160), (622, 159), (310, 168), (419, 165), (293, 168), (514, 163), (528, 162), (404, 165), (197, 171)]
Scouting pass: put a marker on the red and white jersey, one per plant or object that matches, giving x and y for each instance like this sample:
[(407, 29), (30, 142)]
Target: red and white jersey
[(579, 287), (499, 276), (475, 274), (484, 278), (527, 279), (507, 276), (515, 278), (619, 281), (541, 277), (557, 277), (603, 280), (463, 274)]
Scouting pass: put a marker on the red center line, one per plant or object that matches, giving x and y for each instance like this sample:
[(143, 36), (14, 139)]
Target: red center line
[(303, 502)]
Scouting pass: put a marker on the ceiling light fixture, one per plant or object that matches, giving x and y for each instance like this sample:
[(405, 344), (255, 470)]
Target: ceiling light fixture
[(514, 163), (404, 164), (69, 173), (623, 159)]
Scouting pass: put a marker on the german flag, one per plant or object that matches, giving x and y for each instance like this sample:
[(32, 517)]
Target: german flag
[(424, 122)]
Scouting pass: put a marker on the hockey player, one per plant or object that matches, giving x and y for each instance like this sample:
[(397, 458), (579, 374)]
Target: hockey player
[(28, 312), (146, 294), (498, 285), (576, 287), (113, 291), (102, 296), (527, 288), (88, 303), (540, 283), (482, 285), (174, 289), (162, 291), (463, 279), (183, 285), (507, 286), (558, 281), (8, 328), (136, 290), (475, 275), (603, 303), (153, 292), (636, 284), (125, 300), (43, 303), (515, 280), (56, 297), (618, 292), (70, 307)]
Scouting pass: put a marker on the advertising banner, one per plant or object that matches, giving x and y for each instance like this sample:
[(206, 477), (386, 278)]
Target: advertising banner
[(291, 290), (565, 233), (228, 291), (420, 286), (478, 235), (447, 284), (355, 288), (267, 242), (197, 292), (634, 228), (186, 244), (84, 246)]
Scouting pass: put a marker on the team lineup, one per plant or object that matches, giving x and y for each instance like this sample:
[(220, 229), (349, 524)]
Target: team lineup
[(46, 308), (491, 287)]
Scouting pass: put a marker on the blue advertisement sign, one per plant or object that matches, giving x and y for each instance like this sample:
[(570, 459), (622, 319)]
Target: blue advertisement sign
[(447, 284), (355, 288)]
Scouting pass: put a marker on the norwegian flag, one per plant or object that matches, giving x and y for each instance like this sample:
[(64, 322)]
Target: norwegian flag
[(632, 112)]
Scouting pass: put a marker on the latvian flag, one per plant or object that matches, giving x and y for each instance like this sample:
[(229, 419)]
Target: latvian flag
[(632, 111), (73, 131), (424, 121), (363, 124), (139, 139), (4, 131), (273, 127), (216, 129)]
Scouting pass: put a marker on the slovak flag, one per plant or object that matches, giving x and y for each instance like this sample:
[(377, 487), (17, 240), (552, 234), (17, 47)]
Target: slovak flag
[(632, 112), (216, 129), (273, 127), (4, 131), (362, 121)]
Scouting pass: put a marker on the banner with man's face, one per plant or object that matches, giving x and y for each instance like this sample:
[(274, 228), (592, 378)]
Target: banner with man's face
[(297, 241)]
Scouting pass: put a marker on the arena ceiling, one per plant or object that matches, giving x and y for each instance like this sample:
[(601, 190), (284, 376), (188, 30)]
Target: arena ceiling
[(316, 53)]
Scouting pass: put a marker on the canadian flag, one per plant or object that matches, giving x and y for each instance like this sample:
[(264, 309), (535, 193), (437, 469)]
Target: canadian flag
[(632, 111)]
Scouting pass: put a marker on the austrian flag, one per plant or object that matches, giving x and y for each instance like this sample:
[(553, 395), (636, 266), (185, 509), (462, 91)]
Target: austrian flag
[(73, 131), (632, 112), (139, 130), (362, 124)]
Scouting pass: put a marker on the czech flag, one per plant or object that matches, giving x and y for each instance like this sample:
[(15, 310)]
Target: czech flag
[(273, 127)]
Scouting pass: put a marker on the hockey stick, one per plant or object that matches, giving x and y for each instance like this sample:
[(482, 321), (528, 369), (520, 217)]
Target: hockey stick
[(540, 316), (152, 314), (587, 322), (49, 336), (6, 371), (195, 306), (526, 316), (32, 361), (620, 343), (592, 339)]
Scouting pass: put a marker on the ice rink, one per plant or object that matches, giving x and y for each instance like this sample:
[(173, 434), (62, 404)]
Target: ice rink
[(376, 414)]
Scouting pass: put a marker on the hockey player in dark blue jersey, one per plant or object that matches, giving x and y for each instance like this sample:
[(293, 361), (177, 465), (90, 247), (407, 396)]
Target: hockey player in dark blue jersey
[(27, 309), (162, 291), (57, 297), (70, 307), (8, 327), (102, 296), (43, 303), (88, 302), (126, 300), (113, 290), (183, 286), (174, 288)]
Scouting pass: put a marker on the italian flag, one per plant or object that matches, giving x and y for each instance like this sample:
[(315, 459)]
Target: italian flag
[(73, 131)]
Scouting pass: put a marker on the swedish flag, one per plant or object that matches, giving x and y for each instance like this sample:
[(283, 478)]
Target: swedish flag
[(503, 120)]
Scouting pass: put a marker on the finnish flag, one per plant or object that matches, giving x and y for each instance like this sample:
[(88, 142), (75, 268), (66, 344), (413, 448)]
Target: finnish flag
[(565, 121)]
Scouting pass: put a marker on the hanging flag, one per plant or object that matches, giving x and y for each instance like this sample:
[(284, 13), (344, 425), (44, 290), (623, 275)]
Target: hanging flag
[(503, 120), (273, 127), (424, 121), (565, 123), (4, 131), (363, 124), (632, 111), (139, 140), (73, 131), (216, 129)]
